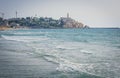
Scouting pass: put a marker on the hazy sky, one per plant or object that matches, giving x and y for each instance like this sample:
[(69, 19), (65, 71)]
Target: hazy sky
[(95, 13)]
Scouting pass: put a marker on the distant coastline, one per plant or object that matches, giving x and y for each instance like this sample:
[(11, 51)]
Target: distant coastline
[(40, 23)]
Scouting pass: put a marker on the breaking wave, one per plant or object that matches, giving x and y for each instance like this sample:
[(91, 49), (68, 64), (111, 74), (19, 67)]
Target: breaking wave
[(24, 38)]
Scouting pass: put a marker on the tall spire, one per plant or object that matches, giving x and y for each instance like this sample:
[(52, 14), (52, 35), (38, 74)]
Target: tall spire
[(67, 15), (3, 15), (16, 14)]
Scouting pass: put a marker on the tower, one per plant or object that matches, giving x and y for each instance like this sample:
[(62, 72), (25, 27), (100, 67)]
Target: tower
[(16, 14), (3, 15), (67, 15)]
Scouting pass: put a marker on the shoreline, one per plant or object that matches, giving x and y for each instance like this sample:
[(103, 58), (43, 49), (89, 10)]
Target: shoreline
[(2, 28)]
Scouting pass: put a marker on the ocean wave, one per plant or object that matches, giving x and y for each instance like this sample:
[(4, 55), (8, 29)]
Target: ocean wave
[(86, 52), (69, 45), (67, 65), (97, 69), (70, 54), (24, 38), (29, 33)]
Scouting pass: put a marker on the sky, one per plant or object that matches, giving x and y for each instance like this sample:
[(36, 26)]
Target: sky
[(94, 13)]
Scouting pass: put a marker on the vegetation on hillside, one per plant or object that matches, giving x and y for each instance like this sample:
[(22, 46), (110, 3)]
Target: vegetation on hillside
[(41, 22)]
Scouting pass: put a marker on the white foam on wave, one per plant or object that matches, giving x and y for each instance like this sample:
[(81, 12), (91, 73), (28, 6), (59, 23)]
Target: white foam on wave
[(21, 33), (52, 53), (65, 65), (86, 51), (68, 45), (24, 38), (93, 68), (28, 33)]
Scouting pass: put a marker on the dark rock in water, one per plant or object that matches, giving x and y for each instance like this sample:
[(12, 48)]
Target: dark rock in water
[(86, 26)]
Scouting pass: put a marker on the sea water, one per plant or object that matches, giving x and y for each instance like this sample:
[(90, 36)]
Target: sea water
[(79, 53)]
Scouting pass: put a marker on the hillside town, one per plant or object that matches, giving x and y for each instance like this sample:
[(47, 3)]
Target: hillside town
[(41, 22)]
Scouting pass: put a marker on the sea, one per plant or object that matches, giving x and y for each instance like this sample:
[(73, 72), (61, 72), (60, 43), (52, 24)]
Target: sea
[(76, 53)]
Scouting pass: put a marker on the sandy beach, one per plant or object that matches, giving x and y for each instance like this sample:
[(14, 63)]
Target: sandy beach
[(4, 28)]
